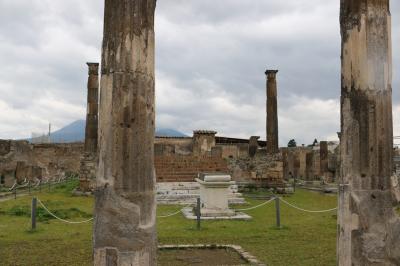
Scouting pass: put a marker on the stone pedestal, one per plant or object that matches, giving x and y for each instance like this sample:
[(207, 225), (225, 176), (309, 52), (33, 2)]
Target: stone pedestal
[(214, 195)]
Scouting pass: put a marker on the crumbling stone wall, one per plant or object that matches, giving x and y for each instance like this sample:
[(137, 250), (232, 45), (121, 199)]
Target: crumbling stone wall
[(261, 167), (38, 160), (178, 168), (28, 172), (203, 142), (57, 159), (5, 147), (165, 146), (305, 163), (207, 153)]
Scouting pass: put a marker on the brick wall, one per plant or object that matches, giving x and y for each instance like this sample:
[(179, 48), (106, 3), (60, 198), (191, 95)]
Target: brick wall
[(186, 168)]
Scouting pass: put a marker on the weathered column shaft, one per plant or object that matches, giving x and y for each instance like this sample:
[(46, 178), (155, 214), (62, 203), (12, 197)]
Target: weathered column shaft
[(368, 230), (125, 206), (92, 108), (309, 166), (323, 158), (272, 113), (253, 145)]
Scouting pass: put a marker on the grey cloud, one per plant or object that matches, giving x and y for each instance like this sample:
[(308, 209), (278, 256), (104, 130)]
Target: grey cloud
[(210, 62)]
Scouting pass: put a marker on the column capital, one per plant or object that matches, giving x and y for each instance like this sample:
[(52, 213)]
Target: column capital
[(93, 68), (271, 73)]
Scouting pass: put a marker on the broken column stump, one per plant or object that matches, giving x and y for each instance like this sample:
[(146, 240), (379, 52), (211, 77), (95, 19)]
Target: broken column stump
[(368, 229), (125, 206)]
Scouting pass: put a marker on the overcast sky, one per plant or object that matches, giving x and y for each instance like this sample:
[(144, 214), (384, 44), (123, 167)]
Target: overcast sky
[(210, 62)]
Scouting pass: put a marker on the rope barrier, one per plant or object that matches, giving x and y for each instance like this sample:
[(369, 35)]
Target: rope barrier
[(175, 213), (62, 220), (13, 186), (304, 210), (255, 207), (37, 184)]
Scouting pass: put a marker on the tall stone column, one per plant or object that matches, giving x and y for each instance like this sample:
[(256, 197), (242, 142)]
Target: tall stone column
[(309, 166), (272, 113), (88, 163), (323, 158), (368, 229), (125, 206), (92, 108)]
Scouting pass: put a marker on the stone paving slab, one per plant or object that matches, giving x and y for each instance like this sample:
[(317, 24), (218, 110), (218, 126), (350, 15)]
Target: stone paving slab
[(244, 254)]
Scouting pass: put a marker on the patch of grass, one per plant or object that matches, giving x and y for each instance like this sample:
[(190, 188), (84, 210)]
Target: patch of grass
[(66, 188), (43, 216), (306, 239)]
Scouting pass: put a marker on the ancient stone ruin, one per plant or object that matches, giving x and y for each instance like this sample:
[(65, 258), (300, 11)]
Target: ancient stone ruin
[(125, 165), (20, 160), (272, 113), (89, 157), (314, 162), (368, 229), (125, 205)]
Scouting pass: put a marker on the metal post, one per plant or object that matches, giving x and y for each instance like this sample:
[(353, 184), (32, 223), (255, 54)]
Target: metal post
[(198, 213), (29, 186), (278, 212), (15, 192), (33, 213)]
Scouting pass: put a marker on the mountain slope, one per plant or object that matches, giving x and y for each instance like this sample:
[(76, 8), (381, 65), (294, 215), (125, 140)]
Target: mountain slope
[(70, 133), (168, 132), (76, 132)]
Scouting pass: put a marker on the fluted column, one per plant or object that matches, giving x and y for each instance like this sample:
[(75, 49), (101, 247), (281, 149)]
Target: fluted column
[(368, 230), (88, 162), (323, 158), (125, 206), (272, 113), (92, 108)]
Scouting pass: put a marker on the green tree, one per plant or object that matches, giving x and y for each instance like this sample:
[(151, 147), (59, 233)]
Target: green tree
[(292, 143)]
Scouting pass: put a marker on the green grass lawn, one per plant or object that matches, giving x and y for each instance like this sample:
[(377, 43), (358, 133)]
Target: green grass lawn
[(305, 239)]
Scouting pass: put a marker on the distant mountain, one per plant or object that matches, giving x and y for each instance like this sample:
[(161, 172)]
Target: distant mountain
[(71, 133), (168, 132), (75, 132)]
